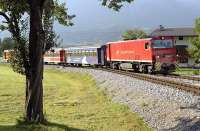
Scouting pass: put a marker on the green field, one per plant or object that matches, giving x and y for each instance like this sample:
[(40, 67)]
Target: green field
[(187, 71), (72, 102)]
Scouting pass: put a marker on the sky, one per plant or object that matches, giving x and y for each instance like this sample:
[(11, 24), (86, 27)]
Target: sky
[(95, 22), (139, 14)]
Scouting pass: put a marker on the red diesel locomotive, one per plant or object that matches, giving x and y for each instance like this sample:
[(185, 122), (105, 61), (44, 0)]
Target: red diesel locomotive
[(146, 55)]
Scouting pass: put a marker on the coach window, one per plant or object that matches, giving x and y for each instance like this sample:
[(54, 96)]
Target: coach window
[(147, 46), (73, 52), (78, 53), (84, 52), (95, 53)]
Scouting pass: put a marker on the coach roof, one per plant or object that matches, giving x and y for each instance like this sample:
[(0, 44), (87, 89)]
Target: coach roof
[(82, 47)]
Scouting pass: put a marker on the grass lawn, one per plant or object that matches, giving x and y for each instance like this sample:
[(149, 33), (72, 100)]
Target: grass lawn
[(187, 71), (71, 102)]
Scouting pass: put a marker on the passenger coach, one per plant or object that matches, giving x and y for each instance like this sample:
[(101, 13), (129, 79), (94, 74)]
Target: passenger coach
[(54, 56), (89, 55), (6, 55)]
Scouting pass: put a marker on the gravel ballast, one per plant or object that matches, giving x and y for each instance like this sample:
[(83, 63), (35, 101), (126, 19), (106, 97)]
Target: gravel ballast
[(162, 107)]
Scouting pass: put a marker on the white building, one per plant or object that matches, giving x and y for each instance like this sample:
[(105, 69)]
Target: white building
[(182, 37)]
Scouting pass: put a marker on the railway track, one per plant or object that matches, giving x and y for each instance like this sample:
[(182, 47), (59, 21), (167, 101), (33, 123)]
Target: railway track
[(188, 87), (183, 77), (194, 89)]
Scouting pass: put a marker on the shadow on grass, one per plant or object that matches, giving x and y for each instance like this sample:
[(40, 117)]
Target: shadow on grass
[(34, 127)]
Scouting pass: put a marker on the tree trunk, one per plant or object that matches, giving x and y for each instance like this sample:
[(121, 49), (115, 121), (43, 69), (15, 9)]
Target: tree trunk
[(34, 89)]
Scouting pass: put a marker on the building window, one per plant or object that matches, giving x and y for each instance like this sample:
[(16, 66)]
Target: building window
[(180, 37)]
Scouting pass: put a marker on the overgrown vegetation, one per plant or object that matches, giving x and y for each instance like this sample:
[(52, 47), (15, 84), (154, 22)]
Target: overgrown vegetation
[(72, 102), (195, 50)]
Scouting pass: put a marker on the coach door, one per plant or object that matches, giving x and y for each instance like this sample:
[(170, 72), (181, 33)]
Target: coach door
[(62, 55)]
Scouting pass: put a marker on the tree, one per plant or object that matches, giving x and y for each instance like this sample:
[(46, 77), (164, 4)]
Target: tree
[(134, 34), (195, 50), (28, 52), (115, 4), (31, 50)]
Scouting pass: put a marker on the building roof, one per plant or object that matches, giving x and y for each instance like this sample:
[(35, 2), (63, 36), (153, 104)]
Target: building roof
[(174, 32)]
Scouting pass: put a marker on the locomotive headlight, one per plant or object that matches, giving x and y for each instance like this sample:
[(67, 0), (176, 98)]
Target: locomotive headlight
[(157, 57)]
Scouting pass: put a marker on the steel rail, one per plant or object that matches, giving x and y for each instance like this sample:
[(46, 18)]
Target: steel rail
[(194, 89)]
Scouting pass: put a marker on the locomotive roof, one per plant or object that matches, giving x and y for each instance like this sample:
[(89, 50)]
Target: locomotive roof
[(146, 39), (82, 47)]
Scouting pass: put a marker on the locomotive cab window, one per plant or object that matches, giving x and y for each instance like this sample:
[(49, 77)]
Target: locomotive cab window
[(147, 46)]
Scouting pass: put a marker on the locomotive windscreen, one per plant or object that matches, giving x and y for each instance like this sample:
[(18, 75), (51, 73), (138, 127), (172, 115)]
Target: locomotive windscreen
[(163, 44)]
